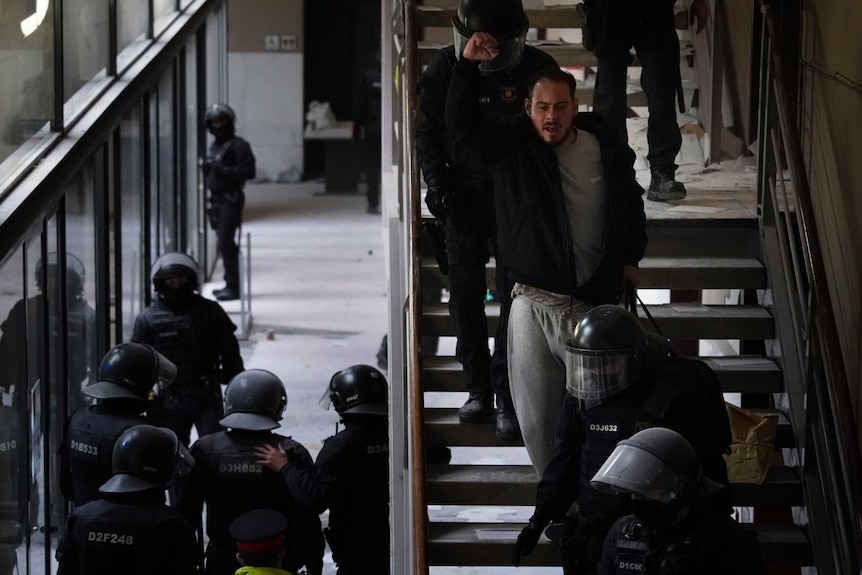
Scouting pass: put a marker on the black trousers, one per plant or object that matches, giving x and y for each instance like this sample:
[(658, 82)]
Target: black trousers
[(652, 33), (225, 214), (468, 247), (373, 167)]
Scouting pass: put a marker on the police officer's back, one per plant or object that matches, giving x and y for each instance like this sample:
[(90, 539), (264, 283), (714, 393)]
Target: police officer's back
[(228, 478), (620, 380), (680, 523), (351, 475), (127, 374), (195, 334), (131, 530)]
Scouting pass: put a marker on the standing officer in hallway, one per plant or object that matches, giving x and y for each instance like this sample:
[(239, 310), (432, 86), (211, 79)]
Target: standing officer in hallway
[(460, 194), (229, 165), (367, 128), (351, 475), (127, 375), (230, 480), (195, 334), (131, 531)]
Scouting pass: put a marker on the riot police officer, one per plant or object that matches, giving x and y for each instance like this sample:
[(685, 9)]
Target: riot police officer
[(13, 487), (131, 530), (679, 523), (460, 194), (351, 475), (230, 481), (126, 377), (620, 380), (228, 165), (197, 335)]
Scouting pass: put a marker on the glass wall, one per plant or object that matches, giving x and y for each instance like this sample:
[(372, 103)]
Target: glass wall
[(87, 238), (133, 273), (163, 13), (27, 86), (85, 51)]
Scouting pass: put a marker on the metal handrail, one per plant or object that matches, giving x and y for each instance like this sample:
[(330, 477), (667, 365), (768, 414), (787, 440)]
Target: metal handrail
[(414, 320), (831, 448)]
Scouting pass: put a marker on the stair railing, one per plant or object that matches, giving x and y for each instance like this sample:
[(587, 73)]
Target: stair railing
[(832, 468), (414, 299)]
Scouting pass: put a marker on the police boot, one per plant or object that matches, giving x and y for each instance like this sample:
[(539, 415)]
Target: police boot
[(508, 430), (663, 187), (478, 409)]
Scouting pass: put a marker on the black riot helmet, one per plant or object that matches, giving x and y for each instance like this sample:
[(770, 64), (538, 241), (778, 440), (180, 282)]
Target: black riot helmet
[(146, 457), (359, 389), (220, 120), (254, 400), (76, 274), (655, 464), (173, 265), (130, 371), (605, 353), (505, 20)]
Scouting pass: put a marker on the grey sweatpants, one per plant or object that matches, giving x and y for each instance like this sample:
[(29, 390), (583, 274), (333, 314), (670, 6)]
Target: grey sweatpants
[(537, 370)]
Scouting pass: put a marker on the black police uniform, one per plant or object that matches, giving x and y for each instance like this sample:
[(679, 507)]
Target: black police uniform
[(85, 456), (649, 26), (232, 163), (677, 393), (198, 336), (13, 488), (470, 225), (229, 479), (128, 533), (707, 542), (367, 116), (351, 479)]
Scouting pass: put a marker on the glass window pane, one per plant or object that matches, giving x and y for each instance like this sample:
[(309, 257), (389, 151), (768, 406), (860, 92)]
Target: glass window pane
[(167, 165), (131, 31), (85, 50), (14, 414), (193, 184), (27, 88), (133, 273), (164, 11)]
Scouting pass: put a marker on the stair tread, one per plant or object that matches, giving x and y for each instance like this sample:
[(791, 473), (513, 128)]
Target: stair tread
[(550, 17), (491, 544), (442, 427), (746, 373), (516, 485)]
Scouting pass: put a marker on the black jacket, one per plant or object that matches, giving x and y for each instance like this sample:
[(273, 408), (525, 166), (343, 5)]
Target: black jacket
[(129, 533), (233, 163), (707, 542), (198, 336), (351, 479), (443, 160), (533, 227), (228, 478)]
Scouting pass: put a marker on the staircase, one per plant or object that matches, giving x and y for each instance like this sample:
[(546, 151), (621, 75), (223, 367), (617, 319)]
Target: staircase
[(687, 253), (683, 254)]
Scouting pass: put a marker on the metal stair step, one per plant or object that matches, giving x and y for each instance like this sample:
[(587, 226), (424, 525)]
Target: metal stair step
[(702, 238), (657, 273), (737, 374), (551, 17), (515, 485), (442, 427), (491, 544), (678, 321)]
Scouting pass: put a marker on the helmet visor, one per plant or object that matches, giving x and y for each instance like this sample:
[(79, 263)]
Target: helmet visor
[(185, 461), (325, 400), (630, 469), (166, 371), (596, 375), (510, 54)]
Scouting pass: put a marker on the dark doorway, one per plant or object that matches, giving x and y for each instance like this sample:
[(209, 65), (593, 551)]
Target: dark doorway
[(339, 39)]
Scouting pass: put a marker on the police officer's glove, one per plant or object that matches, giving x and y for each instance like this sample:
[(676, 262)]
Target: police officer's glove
[(206, 167), (218, 168), (439, 200), (526, 542)]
